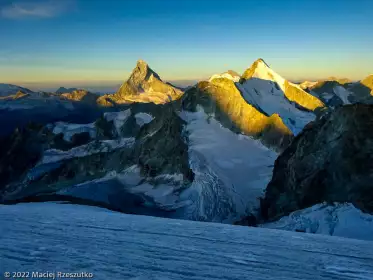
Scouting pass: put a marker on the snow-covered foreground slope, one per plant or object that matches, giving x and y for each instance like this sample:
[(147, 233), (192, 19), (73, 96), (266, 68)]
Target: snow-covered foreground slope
[(70, 238), (341, 219)]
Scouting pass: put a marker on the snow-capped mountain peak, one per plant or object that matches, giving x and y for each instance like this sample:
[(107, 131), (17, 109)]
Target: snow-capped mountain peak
[(261, 70), (231, 75)]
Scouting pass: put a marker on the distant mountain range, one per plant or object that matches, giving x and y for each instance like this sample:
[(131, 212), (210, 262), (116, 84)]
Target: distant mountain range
[(7, 90), (65, 90), (202, 153)]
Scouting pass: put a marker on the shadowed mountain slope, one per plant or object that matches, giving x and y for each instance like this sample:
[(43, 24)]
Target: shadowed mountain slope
[(331, 160)]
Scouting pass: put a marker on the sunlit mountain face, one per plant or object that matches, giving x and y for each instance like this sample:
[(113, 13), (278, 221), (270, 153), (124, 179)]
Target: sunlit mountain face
[(192, 134), (205, 152)]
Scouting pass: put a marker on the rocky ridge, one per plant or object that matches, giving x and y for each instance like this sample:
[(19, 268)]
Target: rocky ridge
[(143, 86), (331, 160)]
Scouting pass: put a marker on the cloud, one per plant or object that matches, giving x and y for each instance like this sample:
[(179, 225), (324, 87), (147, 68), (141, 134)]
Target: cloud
[(39, 9)]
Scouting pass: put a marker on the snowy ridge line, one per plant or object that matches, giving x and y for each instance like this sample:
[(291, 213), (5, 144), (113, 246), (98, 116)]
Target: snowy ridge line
[(54, 155), (141, 247), (263, 94)]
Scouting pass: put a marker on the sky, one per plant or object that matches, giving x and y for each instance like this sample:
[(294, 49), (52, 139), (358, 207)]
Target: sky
[(52, 43)]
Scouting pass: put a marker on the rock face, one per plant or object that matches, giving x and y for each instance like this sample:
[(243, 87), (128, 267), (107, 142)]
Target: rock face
[(337, 92), (206, 154), (21, 150), (81, 95), (65, 90), (165, 152), (331, 92), (364, 90), (135, 156), (368, 82), (331, 160), (143, 86), (221, 99)]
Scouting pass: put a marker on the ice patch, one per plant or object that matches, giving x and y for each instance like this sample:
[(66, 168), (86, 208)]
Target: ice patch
[(118, 118), (104, 146), (231, 171), (342, 93), (143, 118), (341, 219), (69, 130)]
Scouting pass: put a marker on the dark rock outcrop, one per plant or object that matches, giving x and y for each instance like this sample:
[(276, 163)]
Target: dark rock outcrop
[(81, 96), (22, 149), (65, 90), (159, 149), (160, 146), (19, 152), (331, 160)]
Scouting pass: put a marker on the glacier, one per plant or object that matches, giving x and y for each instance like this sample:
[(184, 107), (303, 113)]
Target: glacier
[(70, 129), (59, 237), (338, 219), (231, 170)]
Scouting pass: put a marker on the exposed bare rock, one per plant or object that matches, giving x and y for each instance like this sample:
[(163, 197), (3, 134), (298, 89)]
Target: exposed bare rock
[(143, 86), (81, 95), (221, 99), (331, 160)]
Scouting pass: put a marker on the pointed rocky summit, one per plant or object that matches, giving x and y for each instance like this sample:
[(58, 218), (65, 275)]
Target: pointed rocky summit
[(294, 93), (143, 86)]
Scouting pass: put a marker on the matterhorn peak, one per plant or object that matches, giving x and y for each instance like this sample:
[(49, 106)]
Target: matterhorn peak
[(143, 86), (140, 61), (141, 64), (142, 72)]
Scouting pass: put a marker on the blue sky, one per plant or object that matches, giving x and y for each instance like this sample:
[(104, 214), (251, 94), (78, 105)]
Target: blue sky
[(67, 42)]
